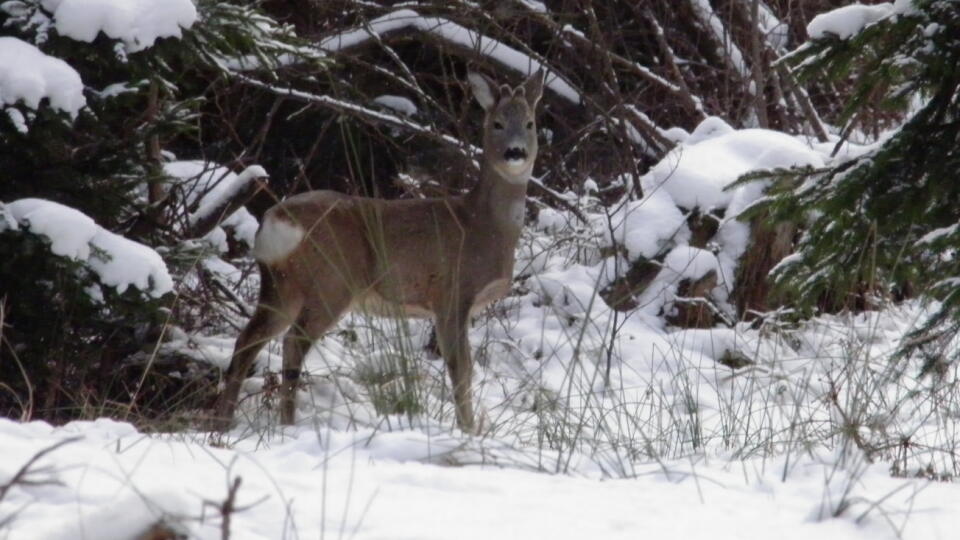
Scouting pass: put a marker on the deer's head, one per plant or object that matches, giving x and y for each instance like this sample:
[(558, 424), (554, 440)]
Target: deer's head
[(510, 124)]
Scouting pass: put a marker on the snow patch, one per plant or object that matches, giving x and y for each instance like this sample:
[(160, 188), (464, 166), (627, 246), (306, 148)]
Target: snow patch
[(683, 262), (645, 227), (138, 23), (206, 186), (118, 262), (696, 172), (846, 21), (709, 128), (688, 262), (694, 176), (28, 75), (397, 104), (69, 231), (550, 220)]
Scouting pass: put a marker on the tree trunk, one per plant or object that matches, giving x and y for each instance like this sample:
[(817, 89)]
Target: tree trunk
[(768, 246)]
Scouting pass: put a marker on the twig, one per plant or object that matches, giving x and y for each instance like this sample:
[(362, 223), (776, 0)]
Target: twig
[(806, 106), (366, 114), (20, 477), (228, 507)]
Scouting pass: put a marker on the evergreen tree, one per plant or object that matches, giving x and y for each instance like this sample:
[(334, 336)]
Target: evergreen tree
[(885, 222), (66, 335)]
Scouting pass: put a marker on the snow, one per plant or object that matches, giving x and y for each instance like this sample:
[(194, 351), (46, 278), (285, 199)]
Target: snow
[(18, 120), (28, 75), (696, 173), (112, 482), (705, 13), (69, 231), (647, 225), (690, 262), (205, 186), (709, 128), (398, 104), (454, 34), (128, 263), (534, 5), (683, 262), (117, 261), (937, 234), (138, 23), (846, 21), (776, 31), (549, 219)]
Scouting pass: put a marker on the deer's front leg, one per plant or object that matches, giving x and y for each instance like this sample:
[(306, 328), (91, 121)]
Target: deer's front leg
[(452, 325)]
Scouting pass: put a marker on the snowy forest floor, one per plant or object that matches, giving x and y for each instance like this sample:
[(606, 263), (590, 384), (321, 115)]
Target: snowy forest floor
[(801, 440), (114, 482), (595, 423)]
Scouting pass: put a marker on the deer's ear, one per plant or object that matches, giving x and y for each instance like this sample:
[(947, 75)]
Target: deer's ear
[(485, 92), (533, 88)]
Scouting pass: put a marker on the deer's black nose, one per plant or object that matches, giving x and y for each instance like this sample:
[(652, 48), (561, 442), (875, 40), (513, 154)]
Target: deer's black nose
[(515, 154)]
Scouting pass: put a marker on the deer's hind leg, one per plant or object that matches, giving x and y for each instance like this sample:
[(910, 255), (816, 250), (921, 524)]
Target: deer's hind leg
[(276, 310), (321, 311)]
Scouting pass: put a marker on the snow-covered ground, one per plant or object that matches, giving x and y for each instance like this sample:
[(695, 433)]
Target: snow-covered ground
[(594, 423), (113, 482)]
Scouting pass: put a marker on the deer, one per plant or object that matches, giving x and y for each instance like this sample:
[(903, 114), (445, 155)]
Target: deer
[(324, 253)]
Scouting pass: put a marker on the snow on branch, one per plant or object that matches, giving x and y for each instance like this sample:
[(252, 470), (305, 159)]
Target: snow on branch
[(138, 23), (728, 49), (846, 21), (118, 262), (215, 197), (453, 34), (28, 75)]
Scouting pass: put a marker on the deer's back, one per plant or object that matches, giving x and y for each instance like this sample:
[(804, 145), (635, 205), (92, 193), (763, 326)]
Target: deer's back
[(393, 254)]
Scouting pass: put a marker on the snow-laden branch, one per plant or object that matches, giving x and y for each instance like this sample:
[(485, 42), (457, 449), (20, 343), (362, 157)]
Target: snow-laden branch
[(452, 34), (28, 75), (213, 197), (138, 23), (118, 261), (223, 204), (727, 49), (846, 21)]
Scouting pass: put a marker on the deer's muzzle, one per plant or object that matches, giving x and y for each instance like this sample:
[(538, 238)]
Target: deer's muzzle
[(515, 154)]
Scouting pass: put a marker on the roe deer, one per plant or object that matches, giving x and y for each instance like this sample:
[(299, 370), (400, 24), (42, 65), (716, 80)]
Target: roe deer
[(323, 253)]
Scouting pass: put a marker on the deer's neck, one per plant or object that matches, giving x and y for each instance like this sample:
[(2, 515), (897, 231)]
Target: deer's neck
[(498, 202)]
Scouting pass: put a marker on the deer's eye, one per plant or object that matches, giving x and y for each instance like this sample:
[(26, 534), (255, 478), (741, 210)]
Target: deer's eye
[(529, 125), (497, 125)]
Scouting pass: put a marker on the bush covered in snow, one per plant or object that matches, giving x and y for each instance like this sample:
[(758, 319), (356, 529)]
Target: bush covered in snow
[(96, 233)]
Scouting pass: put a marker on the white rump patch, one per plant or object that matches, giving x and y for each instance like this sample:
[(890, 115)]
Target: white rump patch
[(276, 239)]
